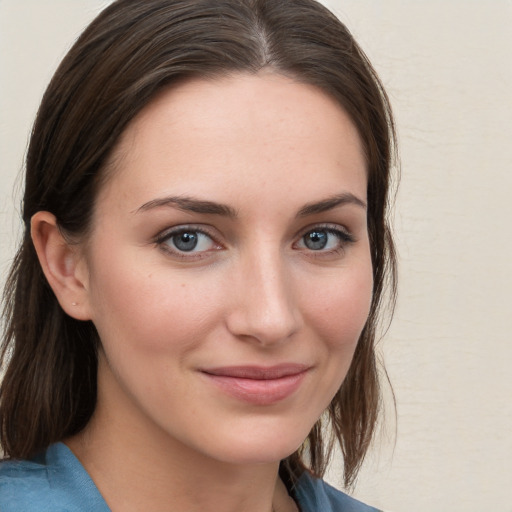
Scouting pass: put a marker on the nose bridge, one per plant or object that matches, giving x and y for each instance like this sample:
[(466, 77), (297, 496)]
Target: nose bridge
[(266, 310)]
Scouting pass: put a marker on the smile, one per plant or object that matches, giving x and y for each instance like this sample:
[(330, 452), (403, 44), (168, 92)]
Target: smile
[(258, 385)]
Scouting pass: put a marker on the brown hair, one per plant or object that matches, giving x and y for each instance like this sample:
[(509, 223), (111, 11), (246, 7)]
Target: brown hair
[(130, 52)]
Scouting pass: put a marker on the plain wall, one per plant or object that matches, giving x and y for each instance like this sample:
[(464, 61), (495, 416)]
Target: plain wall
[(447, 66)]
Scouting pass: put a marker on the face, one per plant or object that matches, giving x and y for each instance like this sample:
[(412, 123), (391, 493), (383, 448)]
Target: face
[(228, 272)]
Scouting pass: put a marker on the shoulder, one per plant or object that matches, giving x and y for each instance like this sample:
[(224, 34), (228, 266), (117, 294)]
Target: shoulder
[(54, 481), (315, 495), (24, 486)]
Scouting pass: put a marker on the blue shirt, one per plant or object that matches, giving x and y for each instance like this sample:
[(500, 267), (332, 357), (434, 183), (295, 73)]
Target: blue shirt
[(56, 482)]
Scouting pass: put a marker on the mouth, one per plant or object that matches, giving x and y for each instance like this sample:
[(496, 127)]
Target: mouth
[(258, 385)]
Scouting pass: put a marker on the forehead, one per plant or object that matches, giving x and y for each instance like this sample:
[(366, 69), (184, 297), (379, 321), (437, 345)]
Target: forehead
[(251, 131)]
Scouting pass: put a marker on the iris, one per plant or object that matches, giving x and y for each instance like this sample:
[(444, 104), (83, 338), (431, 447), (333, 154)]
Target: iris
[(316, 240), (186, 241)]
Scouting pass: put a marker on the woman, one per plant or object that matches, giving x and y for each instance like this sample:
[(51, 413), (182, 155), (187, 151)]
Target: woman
[(205, 252)]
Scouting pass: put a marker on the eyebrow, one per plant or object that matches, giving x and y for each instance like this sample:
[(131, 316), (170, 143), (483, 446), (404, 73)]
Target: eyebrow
[(330, 203), (189, 204)]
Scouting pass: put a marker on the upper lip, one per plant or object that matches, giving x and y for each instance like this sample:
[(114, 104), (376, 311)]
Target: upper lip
[(258, 372)]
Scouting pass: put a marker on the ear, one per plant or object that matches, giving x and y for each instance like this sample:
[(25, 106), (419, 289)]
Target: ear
[(63, 265)]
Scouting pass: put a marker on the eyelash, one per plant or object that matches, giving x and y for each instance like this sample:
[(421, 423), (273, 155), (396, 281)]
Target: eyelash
[(344, 237), (162, 239)]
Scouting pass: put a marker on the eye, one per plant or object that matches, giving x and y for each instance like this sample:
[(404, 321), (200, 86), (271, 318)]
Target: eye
[(189, 241), (324, 239), (184, 240)]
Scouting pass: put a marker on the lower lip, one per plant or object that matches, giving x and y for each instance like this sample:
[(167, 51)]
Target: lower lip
[(258, 391)]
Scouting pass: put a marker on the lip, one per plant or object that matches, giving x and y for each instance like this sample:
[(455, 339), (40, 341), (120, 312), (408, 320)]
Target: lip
[(258, 385)]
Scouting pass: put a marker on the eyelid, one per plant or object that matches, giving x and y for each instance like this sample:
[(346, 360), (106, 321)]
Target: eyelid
[(180, 228), (168, 233), (328, 226), (344, 236)]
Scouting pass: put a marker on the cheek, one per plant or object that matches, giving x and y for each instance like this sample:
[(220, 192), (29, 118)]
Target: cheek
[(338, 315), (151, 311), (339, 309)]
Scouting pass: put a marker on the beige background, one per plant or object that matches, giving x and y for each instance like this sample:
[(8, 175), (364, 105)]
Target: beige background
[(447, 66)]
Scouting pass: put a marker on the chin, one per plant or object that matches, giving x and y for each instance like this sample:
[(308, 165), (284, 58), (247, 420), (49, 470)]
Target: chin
[(257, 447)]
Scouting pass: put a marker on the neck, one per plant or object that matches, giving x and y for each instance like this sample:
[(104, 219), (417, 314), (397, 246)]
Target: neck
[(143, 474)]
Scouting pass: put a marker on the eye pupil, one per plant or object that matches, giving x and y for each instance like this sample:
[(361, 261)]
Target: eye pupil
[(316, 240), (185, 241)]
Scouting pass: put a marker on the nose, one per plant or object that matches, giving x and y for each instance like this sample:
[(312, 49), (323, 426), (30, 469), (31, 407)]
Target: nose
[(265, 308)]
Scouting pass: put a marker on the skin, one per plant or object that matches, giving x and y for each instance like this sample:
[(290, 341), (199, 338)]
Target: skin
[(251, 293)]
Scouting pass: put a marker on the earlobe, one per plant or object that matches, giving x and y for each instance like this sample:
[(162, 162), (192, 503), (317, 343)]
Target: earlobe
[(62, 265)]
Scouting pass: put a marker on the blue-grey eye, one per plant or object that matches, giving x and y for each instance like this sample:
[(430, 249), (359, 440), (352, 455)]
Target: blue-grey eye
[(324, 239), (190, 241), (317, 240), (185, 241)]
